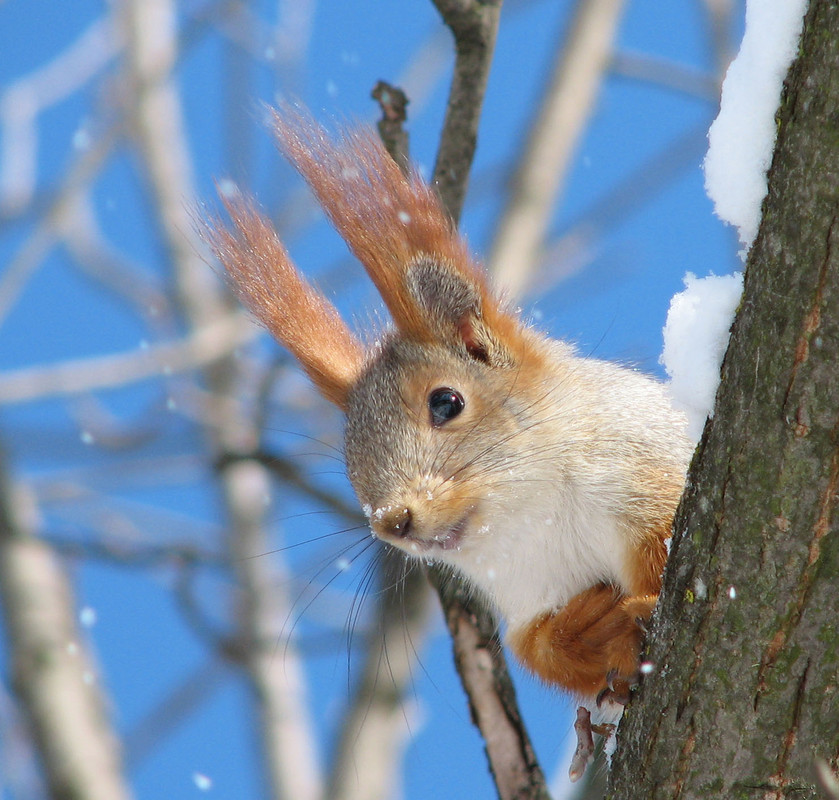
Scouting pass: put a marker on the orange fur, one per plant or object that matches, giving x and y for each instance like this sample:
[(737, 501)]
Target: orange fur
[(647, 559), (389, 219), (578, 645), (296, 314)]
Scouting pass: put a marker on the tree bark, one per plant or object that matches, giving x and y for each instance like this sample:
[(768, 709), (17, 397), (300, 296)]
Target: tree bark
[(744, 692)]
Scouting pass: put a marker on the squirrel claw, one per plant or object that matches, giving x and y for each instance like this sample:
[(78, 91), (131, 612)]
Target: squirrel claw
[(618, 687)]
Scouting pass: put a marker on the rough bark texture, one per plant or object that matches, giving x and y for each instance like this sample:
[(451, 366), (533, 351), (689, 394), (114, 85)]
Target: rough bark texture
[(745, 689)]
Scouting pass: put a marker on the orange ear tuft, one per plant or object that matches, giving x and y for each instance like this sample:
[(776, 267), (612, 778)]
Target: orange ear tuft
[(296, 314), (390, 220)]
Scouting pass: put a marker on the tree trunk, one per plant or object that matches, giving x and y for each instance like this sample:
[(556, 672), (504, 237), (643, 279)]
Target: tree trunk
[(744, 692)]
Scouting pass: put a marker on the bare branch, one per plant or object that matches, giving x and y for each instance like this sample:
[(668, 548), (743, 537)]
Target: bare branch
[(292, 760), (478, 653), (492, 699), (475, 25), (572, 250), (720, 14), (51, 224), (287, 731), (54, 674), (179, 703), (552, 142), (292, 475), (156, 117), (216, 340), (368, 759), (24, 100), (98, 260), (668, 74)]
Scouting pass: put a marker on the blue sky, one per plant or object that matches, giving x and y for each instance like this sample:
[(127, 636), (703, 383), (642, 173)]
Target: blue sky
[(613, 307)]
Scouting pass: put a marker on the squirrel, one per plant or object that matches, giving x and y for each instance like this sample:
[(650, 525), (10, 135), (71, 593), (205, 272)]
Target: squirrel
[(548, 480)]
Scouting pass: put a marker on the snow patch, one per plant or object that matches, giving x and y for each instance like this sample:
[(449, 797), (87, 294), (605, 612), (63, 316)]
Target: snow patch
[(695, 340), (742, 137)]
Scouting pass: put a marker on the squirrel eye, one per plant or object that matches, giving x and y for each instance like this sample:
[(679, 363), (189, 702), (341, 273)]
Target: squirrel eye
[(444, 404)]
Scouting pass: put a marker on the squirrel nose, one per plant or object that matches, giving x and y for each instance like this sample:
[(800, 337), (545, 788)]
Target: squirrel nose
[(396, 522)]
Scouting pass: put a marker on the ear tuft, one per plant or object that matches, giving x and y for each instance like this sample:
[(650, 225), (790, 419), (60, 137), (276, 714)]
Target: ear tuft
[(393, 222), (297, 315)]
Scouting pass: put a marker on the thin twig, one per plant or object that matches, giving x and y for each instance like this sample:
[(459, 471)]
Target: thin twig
[(172, 710), (667, 74)]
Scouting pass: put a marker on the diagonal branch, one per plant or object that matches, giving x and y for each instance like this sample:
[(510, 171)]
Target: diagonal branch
[(203, 346), (552, 142)]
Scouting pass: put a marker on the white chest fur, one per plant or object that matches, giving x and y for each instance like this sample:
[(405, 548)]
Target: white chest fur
[(537, 559)]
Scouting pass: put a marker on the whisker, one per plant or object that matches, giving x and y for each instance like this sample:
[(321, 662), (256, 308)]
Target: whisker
[(304, 542), (315, 439), (327, 563)]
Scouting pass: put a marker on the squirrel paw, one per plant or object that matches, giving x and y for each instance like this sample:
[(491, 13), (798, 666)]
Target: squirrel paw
[(585, 745), (584, 753), (618, 688)]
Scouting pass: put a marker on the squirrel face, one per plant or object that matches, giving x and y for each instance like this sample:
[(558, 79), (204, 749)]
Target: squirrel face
[(416, 449)]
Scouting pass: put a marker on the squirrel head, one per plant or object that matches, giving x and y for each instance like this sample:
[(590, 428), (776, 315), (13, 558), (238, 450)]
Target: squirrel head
[(442, 308), (420, 405)]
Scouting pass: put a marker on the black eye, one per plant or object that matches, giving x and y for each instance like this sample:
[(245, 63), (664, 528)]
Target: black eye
[(444, 404)]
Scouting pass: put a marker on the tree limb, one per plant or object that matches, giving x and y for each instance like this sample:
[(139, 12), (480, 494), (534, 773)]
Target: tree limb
[(202, 346), (157, 119), (742, 697), (53, 672), (474, 24)]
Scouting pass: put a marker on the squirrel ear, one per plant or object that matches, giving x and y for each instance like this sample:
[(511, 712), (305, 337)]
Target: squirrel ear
[(395, 225), (297, 315), (459, 309)]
